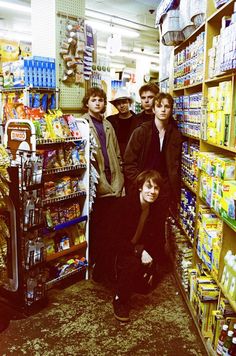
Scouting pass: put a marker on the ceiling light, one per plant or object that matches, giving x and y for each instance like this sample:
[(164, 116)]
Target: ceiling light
[(15, 7), (15, 36), (112, 29)]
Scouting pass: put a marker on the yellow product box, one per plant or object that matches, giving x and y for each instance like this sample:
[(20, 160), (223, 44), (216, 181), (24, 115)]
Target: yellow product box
[(220, 127), (203, 209), (212, 99), (228, 203), (212, 120), (209, 220), (192, 285), (225, 168), (205, 317), (216, 202), (211, 134), (224, 96)]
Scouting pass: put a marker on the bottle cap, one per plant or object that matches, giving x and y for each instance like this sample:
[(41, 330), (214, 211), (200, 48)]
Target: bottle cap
[(225, 327), (234, 340), (230, 333)]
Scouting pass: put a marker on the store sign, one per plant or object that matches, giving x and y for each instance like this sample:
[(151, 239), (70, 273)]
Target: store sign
[(18, 135)]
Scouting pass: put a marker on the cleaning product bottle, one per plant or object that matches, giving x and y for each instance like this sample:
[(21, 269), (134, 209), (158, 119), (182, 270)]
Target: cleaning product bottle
[(232, 282), (227, 343), (226, 258), (229, 274), (221, 339), (232, 350), (230, 262)]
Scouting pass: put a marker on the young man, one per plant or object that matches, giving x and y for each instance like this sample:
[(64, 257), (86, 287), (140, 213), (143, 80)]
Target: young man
[(147, 93), (124, 121), (107, 163), (157, 144), (131, 252)]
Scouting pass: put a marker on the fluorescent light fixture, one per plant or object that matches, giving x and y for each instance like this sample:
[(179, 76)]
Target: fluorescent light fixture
[(132, 55), (15, 7), (102, 27), (15, 36)]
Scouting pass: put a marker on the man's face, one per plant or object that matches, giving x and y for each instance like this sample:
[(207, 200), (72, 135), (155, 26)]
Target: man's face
[(149, 192), (95, 105), (123, 106), (147, 100), (162, 110)]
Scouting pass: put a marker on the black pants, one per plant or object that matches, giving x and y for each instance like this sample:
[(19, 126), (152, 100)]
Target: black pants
[(130, 276)]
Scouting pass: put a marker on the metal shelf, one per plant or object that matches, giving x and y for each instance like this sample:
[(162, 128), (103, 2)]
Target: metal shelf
[(67, 224), (65, 197), (68, 251)]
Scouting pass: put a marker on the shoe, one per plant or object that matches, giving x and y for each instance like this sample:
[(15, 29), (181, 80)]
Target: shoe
[(121, 310)]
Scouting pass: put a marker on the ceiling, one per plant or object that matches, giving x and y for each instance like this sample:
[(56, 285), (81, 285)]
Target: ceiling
[(138, 15)]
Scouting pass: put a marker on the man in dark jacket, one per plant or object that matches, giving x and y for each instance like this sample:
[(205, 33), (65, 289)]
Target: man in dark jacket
[(157, 144), (124, 122), (130, 252), (147, 92)]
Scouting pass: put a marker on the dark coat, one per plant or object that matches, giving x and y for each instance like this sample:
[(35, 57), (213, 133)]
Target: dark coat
[(123, 219), (138, 148)]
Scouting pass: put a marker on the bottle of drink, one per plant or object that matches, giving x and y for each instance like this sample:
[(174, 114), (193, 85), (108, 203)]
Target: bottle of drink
[(30, 289), (221, 339), (39, 249), (232, 282), (227, 343), (30, 252), (232, 350)]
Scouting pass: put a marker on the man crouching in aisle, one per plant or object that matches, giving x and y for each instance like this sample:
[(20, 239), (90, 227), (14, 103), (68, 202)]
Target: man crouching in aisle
[(131, 253)]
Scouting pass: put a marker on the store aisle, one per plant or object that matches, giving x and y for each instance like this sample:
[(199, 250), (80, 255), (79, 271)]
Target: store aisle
[(79, 321)]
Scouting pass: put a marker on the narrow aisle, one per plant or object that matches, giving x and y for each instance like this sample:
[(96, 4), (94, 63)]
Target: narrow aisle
[(79, 320)]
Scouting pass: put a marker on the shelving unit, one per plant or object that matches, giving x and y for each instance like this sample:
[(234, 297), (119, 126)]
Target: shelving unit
[(227, 148), (61, 231)]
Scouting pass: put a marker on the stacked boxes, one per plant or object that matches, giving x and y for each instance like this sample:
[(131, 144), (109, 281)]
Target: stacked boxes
[(31, 71), (218, 117)]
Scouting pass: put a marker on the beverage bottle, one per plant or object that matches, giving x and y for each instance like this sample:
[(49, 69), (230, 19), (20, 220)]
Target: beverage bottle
[(232, 350), (227, 255), (40, 289), (30, 252), (221, 339), (39, 249), (227, 343), (30, 289)]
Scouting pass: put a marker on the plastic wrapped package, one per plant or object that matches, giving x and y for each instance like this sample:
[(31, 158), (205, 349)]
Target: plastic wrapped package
[(186, 25), (171, 32), (197, 11)]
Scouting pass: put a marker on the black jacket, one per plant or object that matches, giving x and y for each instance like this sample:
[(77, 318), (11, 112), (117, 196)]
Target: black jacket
[(138, 149)]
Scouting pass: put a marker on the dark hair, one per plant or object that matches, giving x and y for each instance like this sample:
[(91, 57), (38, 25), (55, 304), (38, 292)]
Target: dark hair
[(94, 91), (149, 87), (148, 175), (159, 97)]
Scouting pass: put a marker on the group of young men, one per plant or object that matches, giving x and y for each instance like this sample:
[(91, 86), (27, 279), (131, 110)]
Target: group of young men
[(138, 159)]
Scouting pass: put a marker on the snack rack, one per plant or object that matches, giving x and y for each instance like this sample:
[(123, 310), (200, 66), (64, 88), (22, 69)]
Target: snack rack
[(51, 226)]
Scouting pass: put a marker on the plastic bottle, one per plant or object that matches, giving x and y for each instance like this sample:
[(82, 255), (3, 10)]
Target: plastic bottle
[(30, 252), (230, 272), (227, 343), (221, 339), (232, 350), (39, 249), (30, 290), (232, 283), (226, 258), (230, 262)]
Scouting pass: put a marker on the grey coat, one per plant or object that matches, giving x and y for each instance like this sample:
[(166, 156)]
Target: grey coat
[(104, 188)]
